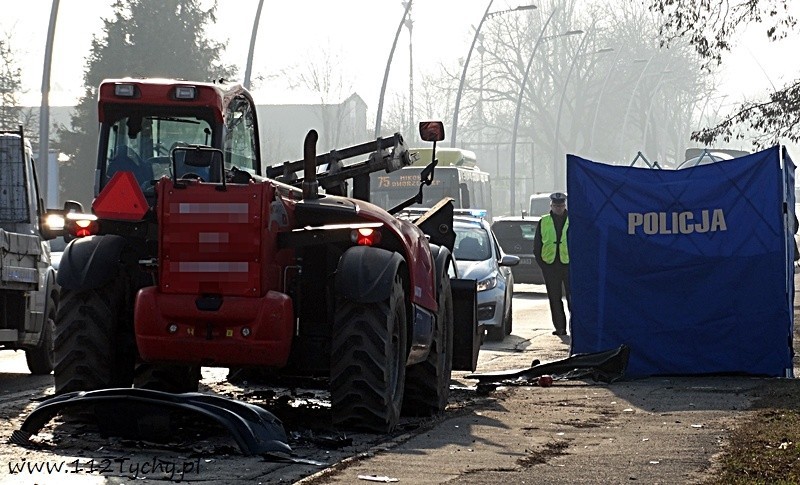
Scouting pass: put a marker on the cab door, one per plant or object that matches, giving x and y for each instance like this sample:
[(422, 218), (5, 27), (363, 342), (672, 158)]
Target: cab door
[(241, 144)]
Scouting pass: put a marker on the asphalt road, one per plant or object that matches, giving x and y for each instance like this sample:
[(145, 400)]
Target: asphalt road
[(651, 430), (655, 431), (79, 454)]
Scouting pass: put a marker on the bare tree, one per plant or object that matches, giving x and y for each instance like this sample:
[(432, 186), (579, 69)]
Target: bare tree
[(12, 115), (711, 28), (596, 83), (322, 77), (148, 38)]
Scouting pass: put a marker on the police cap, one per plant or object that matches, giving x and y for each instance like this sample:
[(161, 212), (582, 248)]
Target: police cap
[(558, 198)]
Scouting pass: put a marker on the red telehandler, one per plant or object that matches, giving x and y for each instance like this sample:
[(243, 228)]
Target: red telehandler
[(195, 256)]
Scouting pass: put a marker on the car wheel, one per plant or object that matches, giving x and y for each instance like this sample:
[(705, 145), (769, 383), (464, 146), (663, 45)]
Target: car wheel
[(508, 321)]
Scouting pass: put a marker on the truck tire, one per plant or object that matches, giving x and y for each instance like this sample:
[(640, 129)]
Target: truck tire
[(40, 358), (428, 383), (175, 378), (92, 348), (368, 355)]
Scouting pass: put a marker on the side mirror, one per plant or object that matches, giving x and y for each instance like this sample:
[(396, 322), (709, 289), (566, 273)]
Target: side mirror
[(73, 206), (431, 130), (509, 260)]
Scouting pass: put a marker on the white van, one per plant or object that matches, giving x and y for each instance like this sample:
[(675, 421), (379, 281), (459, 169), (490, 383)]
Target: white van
[(540, 204)]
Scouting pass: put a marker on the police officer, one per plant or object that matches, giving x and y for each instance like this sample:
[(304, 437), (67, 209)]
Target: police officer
[(550, 248)]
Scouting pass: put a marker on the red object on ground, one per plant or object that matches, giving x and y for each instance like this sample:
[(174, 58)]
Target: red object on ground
[(545, 381)]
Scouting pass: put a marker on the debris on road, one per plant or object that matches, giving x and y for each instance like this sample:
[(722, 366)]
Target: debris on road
[(607, 366), (375, 478), (141, 413)]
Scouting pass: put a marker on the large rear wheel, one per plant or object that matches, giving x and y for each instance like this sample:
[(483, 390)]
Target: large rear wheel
[(428, 383), (94, 347), (368, 362)]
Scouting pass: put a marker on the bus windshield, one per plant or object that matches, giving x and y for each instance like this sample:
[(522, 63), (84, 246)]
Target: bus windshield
[(469, 187)]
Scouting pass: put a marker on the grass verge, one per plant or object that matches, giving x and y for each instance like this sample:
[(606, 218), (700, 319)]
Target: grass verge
[(765, 447)]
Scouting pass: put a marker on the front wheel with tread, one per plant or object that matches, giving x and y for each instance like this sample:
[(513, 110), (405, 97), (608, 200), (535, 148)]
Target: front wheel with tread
[(368, 356)]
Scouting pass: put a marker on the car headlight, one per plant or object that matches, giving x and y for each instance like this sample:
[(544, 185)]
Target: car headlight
[(487, 284)]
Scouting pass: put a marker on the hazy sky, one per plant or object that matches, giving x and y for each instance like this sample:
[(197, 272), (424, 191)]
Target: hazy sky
[(358, 32)]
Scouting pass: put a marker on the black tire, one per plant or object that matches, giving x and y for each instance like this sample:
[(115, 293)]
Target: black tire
[(508, 322), (40, 358), (368, 357), (175, 378), (428, 383), (94, 346)]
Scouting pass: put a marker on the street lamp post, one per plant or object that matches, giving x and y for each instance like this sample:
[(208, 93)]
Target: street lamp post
[(600, 98), (44, 108), (486, 15), (388, 65), (410, 26), (556, 165), (630, 102), (249, 68), (513, 169), (650, 106)]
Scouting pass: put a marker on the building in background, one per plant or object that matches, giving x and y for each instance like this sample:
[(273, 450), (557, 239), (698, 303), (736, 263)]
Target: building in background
[(284, 127)]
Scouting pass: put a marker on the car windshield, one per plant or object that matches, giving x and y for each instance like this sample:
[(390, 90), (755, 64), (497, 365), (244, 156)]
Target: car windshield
[(515, 237), (472, 244)]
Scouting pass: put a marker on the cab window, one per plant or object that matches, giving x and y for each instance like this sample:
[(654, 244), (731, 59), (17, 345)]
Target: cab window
[(142, 144), (240, 136)]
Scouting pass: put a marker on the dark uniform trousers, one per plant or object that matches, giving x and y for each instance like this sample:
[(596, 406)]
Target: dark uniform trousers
[(556, 280)]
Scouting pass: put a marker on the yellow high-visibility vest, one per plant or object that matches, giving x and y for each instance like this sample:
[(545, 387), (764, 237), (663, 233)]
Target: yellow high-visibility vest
[(549, 240)]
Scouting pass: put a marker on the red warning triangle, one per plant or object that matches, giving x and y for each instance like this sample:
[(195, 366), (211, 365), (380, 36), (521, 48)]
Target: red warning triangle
[(121, 199)]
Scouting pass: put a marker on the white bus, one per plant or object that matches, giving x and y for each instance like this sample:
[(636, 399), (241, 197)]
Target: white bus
[(456, 175)]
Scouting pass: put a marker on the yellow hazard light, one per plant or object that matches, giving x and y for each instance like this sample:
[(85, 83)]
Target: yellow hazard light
[(125, 90), (185, 92)]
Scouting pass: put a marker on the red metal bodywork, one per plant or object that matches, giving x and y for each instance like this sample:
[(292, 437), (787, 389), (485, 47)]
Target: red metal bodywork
[(214, 242), (214, 337), (159, 92), (418, 255), (222, 245)]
